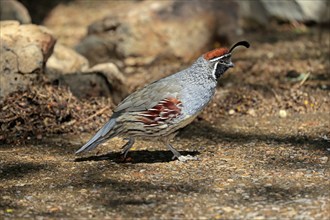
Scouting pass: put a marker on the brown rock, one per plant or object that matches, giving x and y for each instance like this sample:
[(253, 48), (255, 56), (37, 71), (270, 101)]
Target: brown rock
[(65, 60), (26, 64), (150, 29), (67, 67), (101, 80), (24, 51), (15, 35)]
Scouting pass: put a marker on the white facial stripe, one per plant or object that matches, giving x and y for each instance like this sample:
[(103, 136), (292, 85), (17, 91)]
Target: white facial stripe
[(218, 58), (214, 69)]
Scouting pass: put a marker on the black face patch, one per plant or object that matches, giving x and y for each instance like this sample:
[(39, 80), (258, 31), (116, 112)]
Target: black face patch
[(221, 66), (219, 69)]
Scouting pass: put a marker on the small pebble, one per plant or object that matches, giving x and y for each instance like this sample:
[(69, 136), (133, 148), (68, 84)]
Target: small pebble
[(282, 113), (227, 209), (231, 112), (324, 159), (252, 112)]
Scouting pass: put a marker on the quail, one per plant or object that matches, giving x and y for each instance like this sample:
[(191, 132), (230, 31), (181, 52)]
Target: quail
[(161, 108)]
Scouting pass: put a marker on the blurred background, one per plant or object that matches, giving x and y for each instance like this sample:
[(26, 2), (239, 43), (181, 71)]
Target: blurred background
[(111, 48)]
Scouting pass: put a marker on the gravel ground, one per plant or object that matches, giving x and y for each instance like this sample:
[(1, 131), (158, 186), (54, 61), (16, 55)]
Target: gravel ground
[(247, 168)]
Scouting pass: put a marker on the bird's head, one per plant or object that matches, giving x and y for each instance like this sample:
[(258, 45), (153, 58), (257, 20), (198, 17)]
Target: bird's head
[(220, 59)]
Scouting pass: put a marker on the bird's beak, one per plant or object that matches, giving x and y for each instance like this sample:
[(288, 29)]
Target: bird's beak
[(229, 65)]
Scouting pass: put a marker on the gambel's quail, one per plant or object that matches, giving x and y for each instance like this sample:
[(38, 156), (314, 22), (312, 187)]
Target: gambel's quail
[(161, 108)]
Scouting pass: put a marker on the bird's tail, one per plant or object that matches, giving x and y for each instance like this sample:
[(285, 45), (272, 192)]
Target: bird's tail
[(103, 134)]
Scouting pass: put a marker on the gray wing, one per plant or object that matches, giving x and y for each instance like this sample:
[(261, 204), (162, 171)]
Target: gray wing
[(150, 96)]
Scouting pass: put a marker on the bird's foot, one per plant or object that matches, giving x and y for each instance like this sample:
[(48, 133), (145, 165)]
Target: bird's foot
[(186, 158), (124, 159)]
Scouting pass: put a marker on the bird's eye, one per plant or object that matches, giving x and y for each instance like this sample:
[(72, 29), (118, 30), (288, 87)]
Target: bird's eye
[(224, 60)]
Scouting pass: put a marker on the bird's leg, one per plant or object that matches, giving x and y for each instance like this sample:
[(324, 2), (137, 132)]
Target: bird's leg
[(175, 152), (178, 155), (166, 141), (127, 146)]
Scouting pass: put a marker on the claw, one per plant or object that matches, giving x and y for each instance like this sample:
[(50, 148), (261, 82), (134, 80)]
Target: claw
[(186, 158)]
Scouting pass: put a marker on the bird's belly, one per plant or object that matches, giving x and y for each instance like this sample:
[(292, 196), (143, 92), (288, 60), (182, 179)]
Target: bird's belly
[(187, 120)]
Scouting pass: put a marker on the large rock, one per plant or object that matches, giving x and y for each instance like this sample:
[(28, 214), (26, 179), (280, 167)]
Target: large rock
[(66, 67), (151, 29), (261, 11), (101, 80), (24, 50), (14, 10), (65, 60)]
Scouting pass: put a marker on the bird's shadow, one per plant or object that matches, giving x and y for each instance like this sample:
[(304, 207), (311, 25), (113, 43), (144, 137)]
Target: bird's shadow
[(139, 156)]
